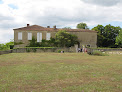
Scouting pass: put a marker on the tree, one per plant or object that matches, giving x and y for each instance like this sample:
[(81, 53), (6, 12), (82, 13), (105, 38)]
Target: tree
[(65, 39), (82, 26), (6, 46), (67, 28), (119, 39), (106, 35), (100, 37)]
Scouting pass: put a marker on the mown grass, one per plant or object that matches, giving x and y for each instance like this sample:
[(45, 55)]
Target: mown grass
[(60, 72)]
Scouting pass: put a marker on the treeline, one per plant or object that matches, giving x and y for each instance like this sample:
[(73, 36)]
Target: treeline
[(107, 36), (6, 46)]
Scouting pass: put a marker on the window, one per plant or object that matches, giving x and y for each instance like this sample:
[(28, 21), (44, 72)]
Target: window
[(29, 36), (39, 37), (19, 35), (48, 36)]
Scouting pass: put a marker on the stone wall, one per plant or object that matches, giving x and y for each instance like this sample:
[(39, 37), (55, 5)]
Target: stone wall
[(38, 50), (91, 50), (5, 52)]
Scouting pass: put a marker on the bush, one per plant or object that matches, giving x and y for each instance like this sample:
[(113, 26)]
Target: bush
[(6, 46), (59, 51), (33, 43), (98, 53)]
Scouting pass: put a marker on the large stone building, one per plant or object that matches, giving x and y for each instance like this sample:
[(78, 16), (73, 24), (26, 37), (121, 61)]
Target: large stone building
[(24, 34)]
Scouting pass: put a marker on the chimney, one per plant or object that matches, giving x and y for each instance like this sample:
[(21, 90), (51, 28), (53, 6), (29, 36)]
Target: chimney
[(54, 27), (48, 26), (28, 25)]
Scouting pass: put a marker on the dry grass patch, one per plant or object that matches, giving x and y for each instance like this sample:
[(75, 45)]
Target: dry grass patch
[(60, 72)]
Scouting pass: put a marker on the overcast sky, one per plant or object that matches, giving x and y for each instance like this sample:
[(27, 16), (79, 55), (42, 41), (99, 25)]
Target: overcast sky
[(63, 13)]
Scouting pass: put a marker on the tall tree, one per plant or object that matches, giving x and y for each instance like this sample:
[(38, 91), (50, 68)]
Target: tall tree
[(82, 26), (110, 35), (65, 39), (119, 39), (100, 37), (106, 35)]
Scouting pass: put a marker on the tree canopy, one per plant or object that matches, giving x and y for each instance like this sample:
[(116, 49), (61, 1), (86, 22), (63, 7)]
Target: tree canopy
[(65, 39), (67, 28), (82, 26), (6, 46), (106, 36), (119, 39)]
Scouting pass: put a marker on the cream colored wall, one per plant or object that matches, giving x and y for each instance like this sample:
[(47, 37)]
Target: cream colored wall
[(85, 38), (25, 36)]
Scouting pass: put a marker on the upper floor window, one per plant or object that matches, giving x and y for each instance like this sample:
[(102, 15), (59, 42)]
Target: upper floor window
[(19, 35), (48, 35), (29, 36), (39, 37)]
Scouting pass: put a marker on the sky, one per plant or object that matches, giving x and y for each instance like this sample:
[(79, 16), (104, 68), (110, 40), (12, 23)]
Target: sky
[(62, 13)]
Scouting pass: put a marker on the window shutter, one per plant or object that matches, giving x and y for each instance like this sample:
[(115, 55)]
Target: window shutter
[(48, 36), (29, 36), (39, 37), (19, 35)]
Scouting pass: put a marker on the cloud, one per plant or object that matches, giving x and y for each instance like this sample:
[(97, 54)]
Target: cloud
[(103, 2), (18, 13)]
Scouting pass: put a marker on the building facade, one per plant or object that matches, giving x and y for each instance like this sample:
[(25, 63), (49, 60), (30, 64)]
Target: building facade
[(24, 34)]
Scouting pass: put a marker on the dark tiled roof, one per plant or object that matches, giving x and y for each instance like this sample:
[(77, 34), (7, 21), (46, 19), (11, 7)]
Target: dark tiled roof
[(40, 28)]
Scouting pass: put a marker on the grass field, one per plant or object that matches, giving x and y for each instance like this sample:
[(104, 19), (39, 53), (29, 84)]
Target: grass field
[(60, 72)]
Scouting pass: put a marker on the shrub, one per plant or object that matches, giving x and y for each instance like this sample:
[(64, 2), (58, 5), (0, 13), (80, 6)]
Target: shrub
[(33, 43), (98, 53), (59, 51), (6, 46)]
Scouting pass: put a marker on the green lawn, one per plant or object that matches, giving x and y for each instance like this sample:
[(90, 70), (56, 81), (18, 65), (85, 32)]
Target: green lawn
[(60, 72)]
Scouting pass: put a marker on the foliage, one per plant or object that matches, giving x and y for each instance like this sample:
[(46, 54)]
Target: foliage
[(82, 26), (106, 35), (67, 28), (48, 43), (119, 39), (6, 46), (17, 43), (62, 39), (43, 43), (65, 39), (98, 53), (59, 51), (33, 43)]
